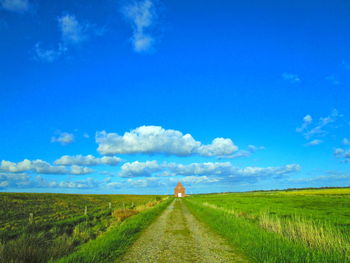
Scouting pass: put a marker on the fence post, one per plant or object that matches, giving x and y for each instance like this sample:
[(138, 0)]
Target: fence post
[(85, 211), (31, 218), (110, 205)]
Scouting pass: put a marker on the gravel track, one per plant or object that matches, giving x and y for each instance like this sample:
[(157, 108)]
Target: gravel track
[(176, 237)]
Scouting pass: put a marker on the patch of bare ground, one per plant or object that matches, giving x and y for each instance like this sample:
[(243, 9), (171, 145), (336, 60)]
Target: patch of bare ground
[(177, 236)]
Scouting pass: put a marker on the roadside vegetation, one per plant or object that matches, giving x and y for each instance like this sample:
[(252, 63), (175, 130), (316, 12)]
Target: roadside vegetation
[(281, 226), (44, 227)]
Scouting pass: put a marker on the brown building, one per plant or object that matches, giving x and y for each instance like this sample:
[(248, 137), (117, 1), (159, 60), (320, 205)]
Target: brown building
[(179, 190)]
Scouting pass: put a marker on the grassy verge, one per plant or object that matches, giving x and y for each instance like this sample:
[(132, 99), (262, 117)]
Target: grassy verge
[(111, 245), (254, 238)]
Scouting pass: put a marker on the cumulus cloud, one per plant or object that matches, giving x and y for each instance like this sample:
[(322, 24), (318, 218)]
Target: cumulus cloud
[(198, 179), (318, 129), (88, 183), (64, 138), (225, 169), (293, 78), (156, 140), (88, 160), (18, 6), (142, 17), (41, 167), (218, 147), (13, 179), (139, 169)]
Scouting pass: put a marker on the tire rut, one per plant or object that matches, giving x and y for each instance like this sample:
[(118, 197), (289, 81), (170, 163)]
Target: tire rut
[(177, 236)]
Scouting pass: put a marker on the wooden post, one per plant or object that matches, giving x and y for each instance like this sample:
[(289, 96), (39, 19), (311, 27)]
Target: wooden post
[(124, 209), (31, 218), (110, 205), (85, 211)]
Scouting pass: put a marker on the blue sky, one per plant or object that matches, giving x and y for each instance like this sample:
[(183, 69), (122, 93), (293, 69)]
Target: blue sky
[(122, 96)]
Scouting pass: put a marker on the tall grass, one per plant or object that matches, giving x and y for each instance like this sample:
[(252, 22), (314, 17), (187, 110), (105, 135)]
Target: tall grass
[(318, 235), (110, 246), (264, 238), (41, 241)]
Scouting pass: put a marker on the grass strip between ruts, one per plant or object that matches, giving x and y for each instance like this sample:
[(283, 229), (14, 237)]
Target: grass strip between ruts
[(114, 243)]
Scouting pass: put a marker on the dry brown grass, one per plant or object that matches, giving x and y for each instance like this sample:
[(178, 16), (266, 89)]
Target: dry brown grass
[(122, 214)]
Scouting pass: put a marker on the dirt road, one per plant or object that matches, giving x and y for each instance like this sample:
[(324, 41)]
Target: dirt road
[(178, 237)]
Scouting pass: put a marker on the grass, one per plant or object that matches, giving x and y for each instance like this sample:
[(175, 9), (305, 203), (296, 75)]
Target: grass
[(68, 228), (281, 226), (114, 243)]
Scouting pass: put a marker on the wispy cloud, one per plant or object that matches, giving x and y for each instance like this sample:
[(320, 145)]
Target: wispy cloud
[(142, 16), (293, 78), (346, 64), (345, 141), (48, 55), (314, 142), (73, 33), (18, 6), (243, 153), (333, 79), (63, 137), (157, 140), (319, 129)]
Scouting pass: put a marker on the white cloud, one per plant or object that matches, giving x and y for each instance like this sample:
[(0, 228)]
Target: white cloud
[(13, 179), (156, 140), (139, 169), (244, 153), (88, 160), (339, 152), (41, 167), (307, 120), (342, 154), (314, 142), (197, 179), (319, 128), (142, 17), (19, 6), (88, 183), (218, 147), (76, 169), (72, 31), (293, 78), (345, 141), (48, 55), (217, 169), (64, 138)]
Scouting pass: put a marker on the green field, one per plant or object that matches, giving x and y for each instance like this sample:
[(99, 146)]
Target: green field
[(271, 226), (281, 226), (58, 225)]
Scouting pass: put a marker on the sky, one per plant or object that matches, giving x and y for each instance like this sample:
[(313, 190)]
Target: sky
[(130, 97)]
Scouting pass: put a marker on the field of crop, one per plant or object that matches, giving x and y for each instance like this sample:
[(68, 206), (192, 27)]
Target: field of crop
[(43, 227), (281, 226)]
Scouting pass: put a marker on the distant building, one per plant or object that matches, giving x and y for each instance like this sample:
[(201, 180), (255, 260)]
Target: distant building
[(179, 190)]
